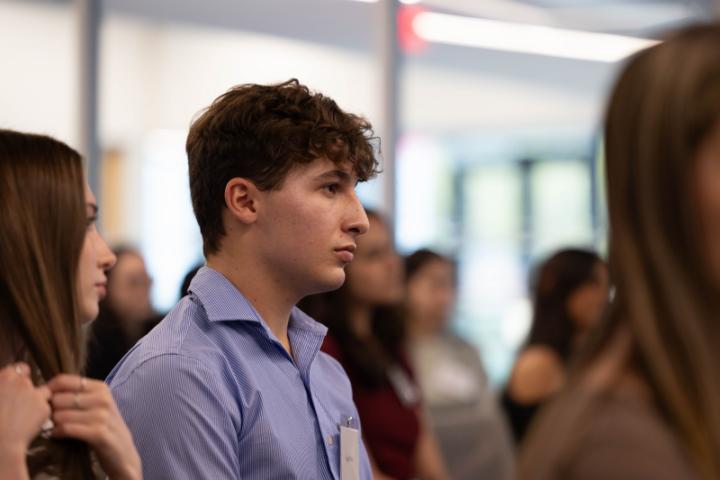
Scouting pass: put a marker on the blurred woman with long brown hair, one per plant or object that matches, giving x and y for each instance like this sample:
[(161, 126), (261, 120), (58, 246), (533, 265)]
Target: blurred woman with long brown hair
[(644, 400), (52, 276)]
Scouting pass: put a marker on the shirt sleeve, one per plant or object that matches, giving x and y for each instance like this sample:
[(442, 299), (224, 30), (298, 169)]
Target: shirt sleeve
[(183, 419)]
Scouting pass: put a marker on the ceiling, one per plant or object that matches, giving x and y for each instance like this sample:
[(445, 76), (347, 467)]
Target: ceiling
[(352, 25), (349, 23), (632, 17)]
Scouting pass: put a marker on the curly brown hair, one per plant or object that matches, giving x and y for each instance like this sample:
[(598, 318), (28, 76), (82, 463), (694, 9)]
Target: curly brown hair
[(261, 132)]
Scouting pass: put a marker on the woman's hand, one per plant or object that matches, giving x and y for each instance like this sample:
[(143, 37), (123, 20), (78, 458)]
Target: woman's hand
[(23, 410), (85, 410)]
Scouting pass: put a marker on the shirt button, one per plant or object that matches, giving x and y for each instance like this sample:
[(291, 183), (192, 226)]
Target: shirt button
[(330, 440)]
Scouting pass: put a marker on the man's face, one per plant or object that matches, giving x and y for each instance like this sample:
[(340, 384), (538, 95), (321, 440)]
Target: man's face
[(306, 230)]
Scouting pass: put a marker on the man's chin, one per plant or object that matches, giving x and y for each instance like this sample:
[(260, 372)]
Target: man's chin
[(329, 283)]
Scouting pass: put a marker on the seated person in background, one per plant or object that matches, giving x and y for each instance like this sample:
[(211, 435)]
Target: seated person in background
[(126, 313), (463, 411), (232, 384), (52, 275), (643, 399), (367, 335), (570, 297)]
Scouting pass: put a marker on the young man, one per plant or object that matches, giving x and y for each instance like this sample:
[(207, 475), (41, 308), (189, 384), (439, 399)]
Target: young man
[(231, 384)]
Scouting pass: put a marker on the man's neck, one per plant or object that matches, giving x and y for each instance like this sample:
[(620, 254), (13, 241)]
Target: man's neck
[(261, 289)]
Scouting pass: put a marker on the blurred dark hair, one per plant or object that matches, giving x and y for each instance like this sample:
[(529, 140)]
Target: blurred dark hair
[(420, 258), (369, 361), (260, 132), (554, 282)]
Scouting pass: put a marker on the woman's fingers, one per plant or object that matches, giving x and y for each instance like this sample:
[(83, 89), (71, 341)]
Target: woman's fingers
[(13, 370), (22, 369), (44, 392), (66, 382), (79, 401), (80, 431), (85, 410), (99, 417), (24, 408)]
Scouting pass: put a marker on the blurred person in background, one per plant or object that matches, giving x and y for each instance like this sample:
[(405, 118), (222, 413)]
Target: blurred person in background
[(643, 401), (126, 313), (366, 335), (463, 411), (52, 276), (570, 296)]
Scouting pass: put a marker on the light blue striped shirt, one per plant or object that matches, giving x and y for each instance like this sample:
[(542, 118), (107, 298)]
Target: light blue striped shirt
[(210, 393)]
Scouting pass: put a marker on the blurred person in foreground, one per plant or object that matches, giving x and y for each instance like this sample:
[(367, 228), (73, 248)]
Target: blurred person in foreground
[(126, 313), (570, 296), (463, 411), (367, 335), (643, 401), (232, 384), (54, 423)]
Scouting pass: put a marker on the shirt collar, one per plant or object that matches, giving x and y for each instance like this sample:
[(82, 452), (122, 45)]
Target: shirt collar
[(223, 302), (302, 321)]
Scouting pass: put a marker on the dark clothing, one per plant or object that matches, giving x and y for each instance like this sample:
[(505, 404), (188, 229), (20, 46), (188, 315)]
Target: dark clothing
[(519, 415), (108, 342), (391, 428)]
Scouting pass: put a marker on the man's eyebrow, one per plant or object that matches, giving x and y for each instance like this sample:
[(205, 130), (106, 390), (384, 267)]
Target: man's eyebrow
[(336, 174), (93, 207)]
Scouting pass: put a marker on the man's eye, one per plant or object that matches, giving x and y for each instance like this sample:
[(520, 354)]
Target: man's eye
[(91, 220), (331, 188)]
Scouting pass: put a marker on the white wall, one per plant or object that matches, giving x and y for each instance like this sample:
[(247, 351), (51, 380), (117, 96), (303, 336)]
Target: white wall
[(437, 100), (174, 70), (38, 74)]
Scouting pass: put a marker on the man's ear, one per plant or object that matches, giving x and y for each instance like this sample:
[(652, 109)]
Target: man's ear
[(241, 199)]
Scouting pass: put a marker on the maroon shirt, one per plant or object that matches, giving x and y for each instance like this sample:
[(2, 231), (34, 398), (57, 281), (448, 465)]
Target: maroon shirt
[(390, 428)]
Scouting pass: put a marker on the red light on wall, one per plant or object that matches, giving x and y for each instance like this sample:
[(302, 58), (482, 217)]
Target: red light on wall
[(408, 40)]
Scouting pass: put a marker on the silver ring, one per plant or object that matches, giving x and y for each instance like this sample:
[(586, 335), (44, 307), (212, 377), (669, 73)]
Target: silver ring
[(83, 383), (47, 428), (18, 369), (76, 401)]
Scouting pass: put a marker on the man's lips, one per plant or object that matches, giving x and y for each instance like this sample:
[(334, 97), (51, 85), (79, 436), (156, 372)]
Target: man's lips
[(346, 253)]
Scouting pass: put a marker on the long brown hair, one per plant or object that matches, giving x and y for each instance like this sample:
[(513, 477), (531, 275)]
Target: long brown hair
[(42, 213), (664, 104)]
